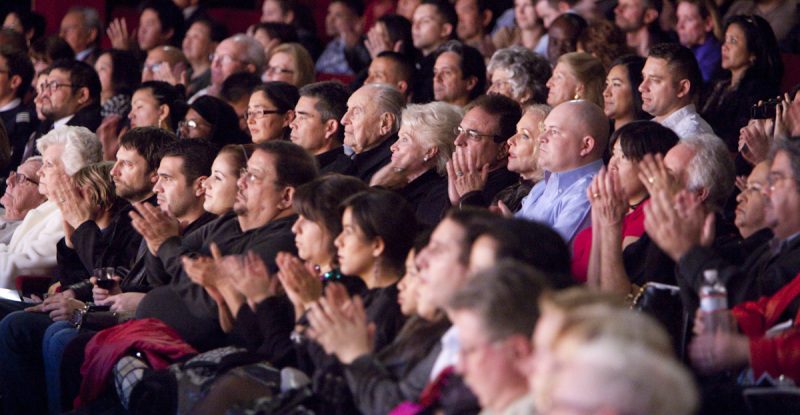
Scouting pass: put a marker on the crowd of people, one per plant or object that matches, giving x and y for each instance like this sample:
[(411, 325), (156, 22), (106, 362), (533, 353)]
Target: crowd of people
[(550, 206)]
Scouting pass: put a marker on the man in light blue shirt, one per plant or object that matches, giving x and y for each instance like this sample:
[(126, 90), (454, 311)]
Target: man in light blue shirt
[(570, 152)]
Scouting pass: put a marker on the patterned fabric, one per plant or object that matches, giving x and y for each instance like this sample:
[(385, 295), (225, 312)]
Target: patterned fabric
[(332, 60), (117, 105)]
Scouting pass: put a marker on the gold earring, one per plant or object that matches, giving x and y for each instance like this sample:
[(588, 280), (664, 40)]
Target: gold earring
[(577, 96)]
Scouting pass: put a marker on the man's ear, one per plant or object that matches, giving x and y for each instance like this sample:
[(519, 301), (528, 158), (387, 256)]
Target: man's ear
[(83, 96), (331, 128), (154, 176), (387, 121), (287, 196), (402, 86), (684, 86), (15, 81), (472, 82), (199, 189), (702, 194), (446, 31), (650, 15), (92, 35), (486, 18), (288, 118), (502, 150), (588, 144)]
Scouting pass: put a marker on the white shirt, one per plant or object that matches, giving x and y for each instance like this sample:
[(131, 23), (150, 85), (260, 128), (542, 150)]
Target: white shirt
[(62, 122), (449, 354), (11, 105), (32, 250), (686, 122)]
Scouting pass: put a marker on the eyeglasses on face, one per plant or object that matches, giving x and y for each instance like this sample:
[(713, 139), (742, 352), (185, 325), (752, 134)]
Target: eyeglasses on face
[(20, 178), (475, 135), (52, 86), (259, 114)]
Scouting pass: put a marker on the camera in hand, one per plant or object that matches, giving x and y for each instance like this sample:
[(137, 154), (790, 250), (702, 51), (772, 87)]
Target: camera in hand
[(765, 110)]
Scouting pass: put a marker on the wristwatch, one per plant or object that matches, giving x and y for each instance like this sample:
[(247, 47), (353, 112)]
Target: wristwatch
[(78, 315)]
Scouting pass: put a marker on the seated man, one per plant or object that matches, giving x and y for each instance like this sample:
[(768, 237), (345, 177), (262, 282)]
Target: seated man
[(493, 342), (671, 83), (459, 73), (392, 68), (316, 125), (238, 53), (21, 196), (370, 127), (81, 28), (570, 152), (18, 117), (345, 54), (165, 63)]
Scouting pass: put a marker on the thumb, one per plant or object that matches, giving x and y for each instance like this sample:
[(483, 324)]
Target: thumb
[(215, 252)]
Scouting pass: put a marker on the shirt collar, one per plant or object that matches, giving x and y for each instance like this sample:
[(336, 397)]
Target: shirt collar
[(11, 105), (678, 115), (568, 178), (84, 53), (62, 122)]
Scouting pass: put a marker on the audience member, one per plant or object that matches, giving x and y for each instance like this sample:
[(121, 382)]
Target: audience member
[(160, 24), (752, 70), (213, 120), (577, 75), (434, 23), (238, 53), (475, 19), (270, 111), (157, 104), (47, 50), (639, 19), (459, 74), (295, 14), (699, 29), (391, 33), (21, 196), (316, 126), (781, 14), (26, 22), (81, 28), (272, 34), (18, 117), (526, 32), (392, 68), (571, 148), (345, 54), (166, 63), (603, 40), (519, 74), (622, 101), (220, 187), (671, 84), (198, 45), (563, 34), (523, 157), (236, 91), (119, 76), (290, 63)]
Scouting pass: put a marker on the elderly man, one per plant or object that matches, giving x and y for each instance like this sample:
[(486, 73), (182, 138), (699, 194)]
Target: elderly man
[(478, 170), (81, 29), (238, 53), (370, 127), (166, 63), (316, 125), (32, 249), (21, 196), (459, 74), (261, 222), (768, 268), (494, 342), (671, 81), (570, 152)]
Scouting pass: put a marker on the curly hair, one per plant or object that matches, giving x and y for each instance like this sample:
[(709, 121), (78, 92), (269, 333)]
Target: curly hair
[(605, 41)]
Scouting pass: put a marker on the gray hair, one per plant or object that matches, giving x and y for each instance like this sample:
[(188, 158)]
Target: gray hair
[(629, 378), (529, 71), (711, 168), (81, 147), (253, 51), (388, 99), (542, 109), (91, 20), (434, 125)]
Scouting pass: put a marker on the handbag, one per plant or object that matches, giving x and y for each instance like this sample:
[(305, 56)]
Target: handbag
[(663, 302)]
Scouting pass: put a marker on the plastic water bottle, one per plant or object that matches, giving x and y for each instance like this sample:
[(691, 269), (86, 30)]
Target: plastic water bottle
[(714, 303)]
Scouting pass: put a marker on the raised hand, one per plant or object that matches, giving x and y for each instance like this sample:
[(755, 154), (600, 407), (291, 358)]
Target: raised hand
[(609, 205), (655, 176), (465, 175), (676, 229), (118, 34), (301, 283), (347, 335), (75, 208), (755, 140)]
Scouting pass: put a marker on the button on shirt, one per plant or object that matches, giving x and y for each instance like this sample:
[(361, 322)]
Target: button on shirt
[(686, 122), (560, 200)]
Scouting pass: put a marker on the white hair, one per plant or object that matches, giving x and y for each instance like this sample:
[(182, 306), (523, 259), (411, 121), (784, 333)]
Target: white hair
[(629, 378), (388, 99), (81, 147), (253, 51), (434, 125), (711, 168)]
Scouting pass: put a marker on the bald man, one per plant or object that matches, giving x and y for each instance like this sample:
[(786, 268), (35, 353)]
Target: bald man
[(164, 63), (570, 152)]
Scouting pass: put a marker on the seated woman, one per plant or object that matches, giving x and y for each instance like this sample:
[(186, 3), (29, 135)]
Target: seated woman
[(119, 77), (752, 71), (290, 63), (220, 188), (617, 211), (212, 119), (622, 101), (577, 75), (157, 104), (699, 29), (519, 74), (419, 158), (271, 110)]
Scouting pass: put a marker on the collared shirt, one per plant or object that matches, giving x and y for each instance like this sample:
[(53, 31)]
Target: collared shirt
[(686, 122), (449, 354), (524, 405), (559, 200), (332, 60), (62, 122), (80, 56), (11, 105)]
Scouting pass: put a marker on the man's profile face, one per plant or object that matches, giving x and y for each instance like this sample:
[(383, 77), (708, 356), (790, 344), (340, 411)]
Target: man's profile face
[(449, 83), (175, 194), (659, 88), (133, 179), (361, 121), (60, 98)]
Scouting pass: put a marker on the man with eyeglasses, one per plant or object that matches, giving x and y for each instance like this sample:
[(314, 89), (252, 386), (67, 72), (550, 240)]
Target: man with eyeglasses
[(22, 195), (477, 171), (238, 53), (19, 118), (166, 63), (71, 96), (571, 148)]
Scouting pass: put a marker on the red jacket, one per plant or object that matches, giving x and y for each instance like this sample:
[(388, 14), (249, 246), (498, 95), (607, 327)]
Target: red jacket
[(779, 355), (158, 342)]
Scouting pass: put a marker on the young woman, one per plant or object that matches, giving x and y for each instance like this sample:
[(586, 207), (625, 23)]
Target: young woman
[(622, 101), (119, 77), (220, 187), (157, 104), (271, 110)]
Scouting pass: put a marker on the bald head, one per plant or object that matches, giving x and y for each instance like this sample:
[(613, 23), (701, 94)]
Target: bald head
[(576, 134), (159, 55)]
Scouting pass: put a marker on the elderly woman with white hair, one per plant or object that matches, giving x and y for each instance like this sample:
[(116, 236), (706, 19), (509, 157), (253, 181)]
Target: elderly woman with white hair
[(32, 249), (417, 170), (519, 74)]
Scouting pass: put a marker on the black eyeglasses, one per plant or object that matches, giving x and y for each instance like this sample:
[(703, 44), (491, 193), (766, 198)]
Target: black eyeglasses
[(259, 114)]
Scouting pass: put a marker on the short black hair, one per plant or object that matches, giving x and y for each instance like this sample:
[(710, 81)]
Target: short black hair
[(19, 64), (447, 11), (286, 33), (405, 65), (294, 166), (217, 31), (472, 64), (638, 138), (30, 20), (331, 99), (356, 6), (239, 85), (398, 28), (506, 109), (283, 96), (197, 156), (51, 49), (149, 142), (81, 75), (682, 63), (169, 15)]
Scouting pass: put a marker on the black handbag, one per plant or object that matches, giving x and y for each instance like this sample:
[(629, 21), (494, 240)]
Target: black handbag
[(663, 302)]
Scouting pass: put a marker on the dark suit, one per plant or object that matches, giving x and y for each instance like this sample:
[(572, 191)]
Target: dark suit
[(20, 123), (88, 117)]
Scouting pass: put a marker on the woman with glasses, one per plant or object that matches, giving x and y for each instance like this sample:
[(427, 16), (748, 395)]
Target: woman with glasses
[(290, 63), (270, 111), (212, 119)]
